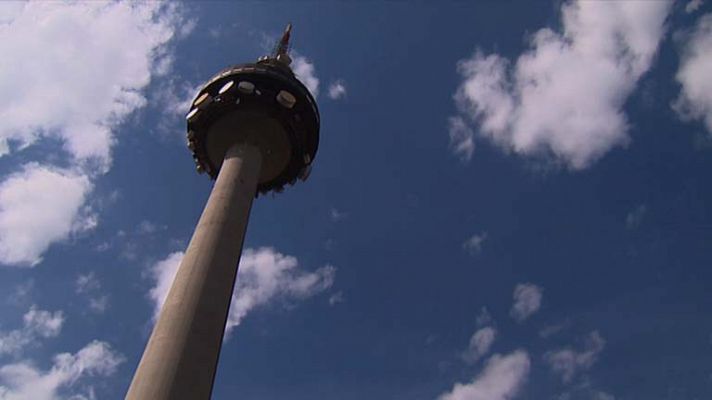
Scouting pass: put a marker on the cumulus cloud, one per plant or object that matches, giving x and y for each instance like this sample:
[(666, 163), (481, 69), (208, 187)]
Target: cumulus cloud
[(78, 71), (473, 245), (563, 97), (567, 362), (480, 344), (502, 379), (304, 70), (36, 324), (24, 381), (695, 99), (337, 90), (527, 301), (264, 275), (40, 205)]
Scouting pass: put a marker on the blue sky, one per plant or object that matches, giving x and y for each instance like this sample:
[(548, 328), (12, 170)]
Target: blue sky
[(510, 200)]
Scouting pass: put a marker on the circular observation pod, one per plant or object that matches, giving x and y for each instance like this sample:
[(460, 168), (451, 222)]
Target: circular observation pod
[(263, 105)]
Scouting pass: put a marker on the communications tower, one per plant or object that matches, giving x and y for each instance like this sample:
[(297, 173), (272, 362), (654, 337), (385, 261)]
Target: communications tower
[(253, 128)]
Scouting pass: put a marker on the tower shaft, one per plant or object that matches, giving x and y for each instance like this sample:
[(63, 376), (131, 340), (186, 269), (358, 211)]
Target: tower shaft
[(181, 356)]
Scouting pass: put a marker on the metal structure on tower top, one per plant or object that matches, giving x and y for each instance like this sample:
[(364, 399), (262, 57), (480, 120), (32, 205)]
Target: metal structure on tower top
[(263, 104)]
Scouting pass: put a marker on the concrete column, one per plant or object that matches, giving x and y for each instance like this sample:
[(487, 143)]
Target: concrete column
[(182, 354)]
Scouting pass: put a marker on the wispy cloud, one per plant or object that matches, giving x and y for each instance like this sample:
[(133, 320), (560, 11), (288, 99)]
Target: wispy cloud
[(336, 215), (36, 324), (336, 298), (24, 380), (480, 344), (567, 362), (462, 138), (337, 90), (635, 216), (264, 275), (473, 244), (90, 286)]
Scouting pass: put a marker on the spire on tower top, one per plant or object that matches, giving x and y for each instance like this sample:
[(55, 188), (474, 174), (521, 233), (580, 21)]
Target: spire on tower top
[(281, 51)]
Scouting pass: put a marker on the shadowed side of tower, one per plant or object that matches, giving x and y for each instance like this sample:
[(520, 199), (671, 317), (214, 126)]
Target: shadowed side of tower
[(253, 128)]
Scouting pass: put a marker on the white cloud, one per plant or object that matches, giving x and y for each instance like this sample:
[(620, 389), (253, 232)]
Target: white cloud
[(462, 138), (264, 275), (473, 245), (36, 324), (565, 95), (43, 323), (567, 362), (337, 90), (175, 98), (78, 70), (695, 99), (40, 205), (480, 344), (502, 379), (527, 301), (24, 381), (692, 6), (99, 304), (304, 70), (88, 284), (163, 273)]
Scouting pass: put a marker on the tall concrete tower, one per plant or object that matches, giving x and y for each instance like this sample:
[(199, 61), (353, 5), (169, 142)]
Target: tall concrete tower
[(253, 128)]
